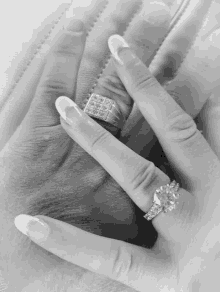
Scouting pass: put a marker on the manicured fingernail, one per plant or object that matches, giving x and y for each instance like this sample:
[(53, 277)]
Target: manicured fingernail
[(32, 227), (117, 45), (75, 25), (67, 109)]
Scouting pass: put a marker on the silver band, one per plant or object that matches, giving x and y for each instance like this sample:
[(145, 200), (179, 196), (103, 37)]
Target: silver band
[(103, 108), (165, 199)]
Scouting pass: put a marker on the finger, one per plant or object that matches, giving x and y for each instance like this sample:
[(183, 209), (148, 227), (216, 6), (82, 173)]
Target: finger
[(145, 34), (137, 176), (133, 266), (60, 74), (184, 145)]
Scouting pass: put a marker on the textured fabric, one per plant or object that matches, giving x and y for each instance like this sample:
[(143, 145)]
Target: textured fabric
[(182, 27)]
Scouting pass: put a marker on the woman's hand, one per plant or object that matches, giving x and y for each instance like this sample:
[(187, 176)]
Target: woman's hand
[(186, 254)]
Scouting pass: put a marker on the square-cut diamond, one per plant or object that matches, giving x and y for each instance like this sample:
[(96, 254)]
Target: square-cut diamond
[(103, 114), (94, 97), (95, 112), (108, 101), (91, 103), (89, 110), (97, 105)]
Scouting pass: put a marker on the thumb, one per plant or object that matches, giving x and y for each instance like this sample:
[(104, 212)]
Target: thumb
[(131, 265), (60, 74)]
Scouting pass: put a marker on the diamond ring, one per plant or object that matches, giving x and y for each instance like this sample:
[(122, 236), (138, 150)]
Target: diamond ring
[(165, 199), (102, 108)]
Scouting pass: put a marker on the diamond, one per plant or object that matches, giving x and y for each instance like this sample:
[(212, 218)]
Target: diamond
[(92, 99), (165, 197), (104, 108), (95, 112), (103, 114), (91, 103), (100, 99), (97, 105), (164, 200), (89, 110), (108, 101)]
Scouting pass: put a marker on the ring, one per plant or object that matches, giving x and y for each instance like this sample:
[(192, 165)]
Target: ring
[(165, 199), (102, 108)]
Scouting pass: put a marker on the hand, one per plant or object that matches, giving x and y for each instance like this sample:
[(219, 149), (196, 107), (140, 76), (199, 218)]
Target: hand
[(186, 254), (43, 171)]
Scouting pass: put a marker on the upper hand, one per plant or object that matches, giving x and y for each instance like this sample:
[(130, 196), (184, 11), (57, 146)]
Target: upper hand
[(187, 248), (41, 160)]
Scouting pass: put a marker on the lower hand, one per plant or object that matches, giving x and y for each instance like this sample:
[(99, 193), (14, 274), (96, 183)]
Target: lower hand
[(187, 249)]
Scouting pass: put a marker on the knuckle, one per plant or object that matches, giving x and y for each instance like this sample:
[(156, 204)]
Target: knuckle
[(52, 84), (65, 51), (144, 177), (67, 47), (181, 128), (112, 84), (101, 138), (123, 263), (144, 82)]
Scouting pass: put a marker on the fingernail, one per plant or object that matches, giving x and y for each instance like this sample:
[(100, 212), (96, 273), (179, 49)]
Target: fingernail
[(74, 25), (116, 45), (67, 109), (32, 227)]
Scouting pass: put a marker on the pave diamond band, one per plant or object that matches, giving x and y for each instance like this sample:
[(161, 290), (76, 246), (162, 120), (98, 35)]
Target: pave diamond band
[(165, 199), (102, 108)]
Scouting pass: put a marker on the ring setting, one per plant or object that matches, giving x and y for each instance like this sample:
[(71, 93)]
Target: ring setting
[(102, 108), (165, 199)]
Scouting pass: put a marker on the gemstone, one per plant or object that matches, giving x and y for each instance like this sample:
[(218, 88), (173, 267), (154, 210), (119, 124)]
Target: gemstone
[(102, 114), (108, 101), (95, 112), (165, 198), (97, 105), (104, 108), (93, 97)]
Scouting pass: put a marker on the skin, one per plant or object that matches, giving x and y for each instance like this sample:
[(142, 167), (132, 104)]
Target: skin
[(41, 149)]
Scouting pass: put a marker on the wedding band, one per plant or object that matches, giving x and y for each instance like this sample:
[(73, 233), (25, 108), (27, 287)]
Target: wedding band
[(165, 199), (103, 108)]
